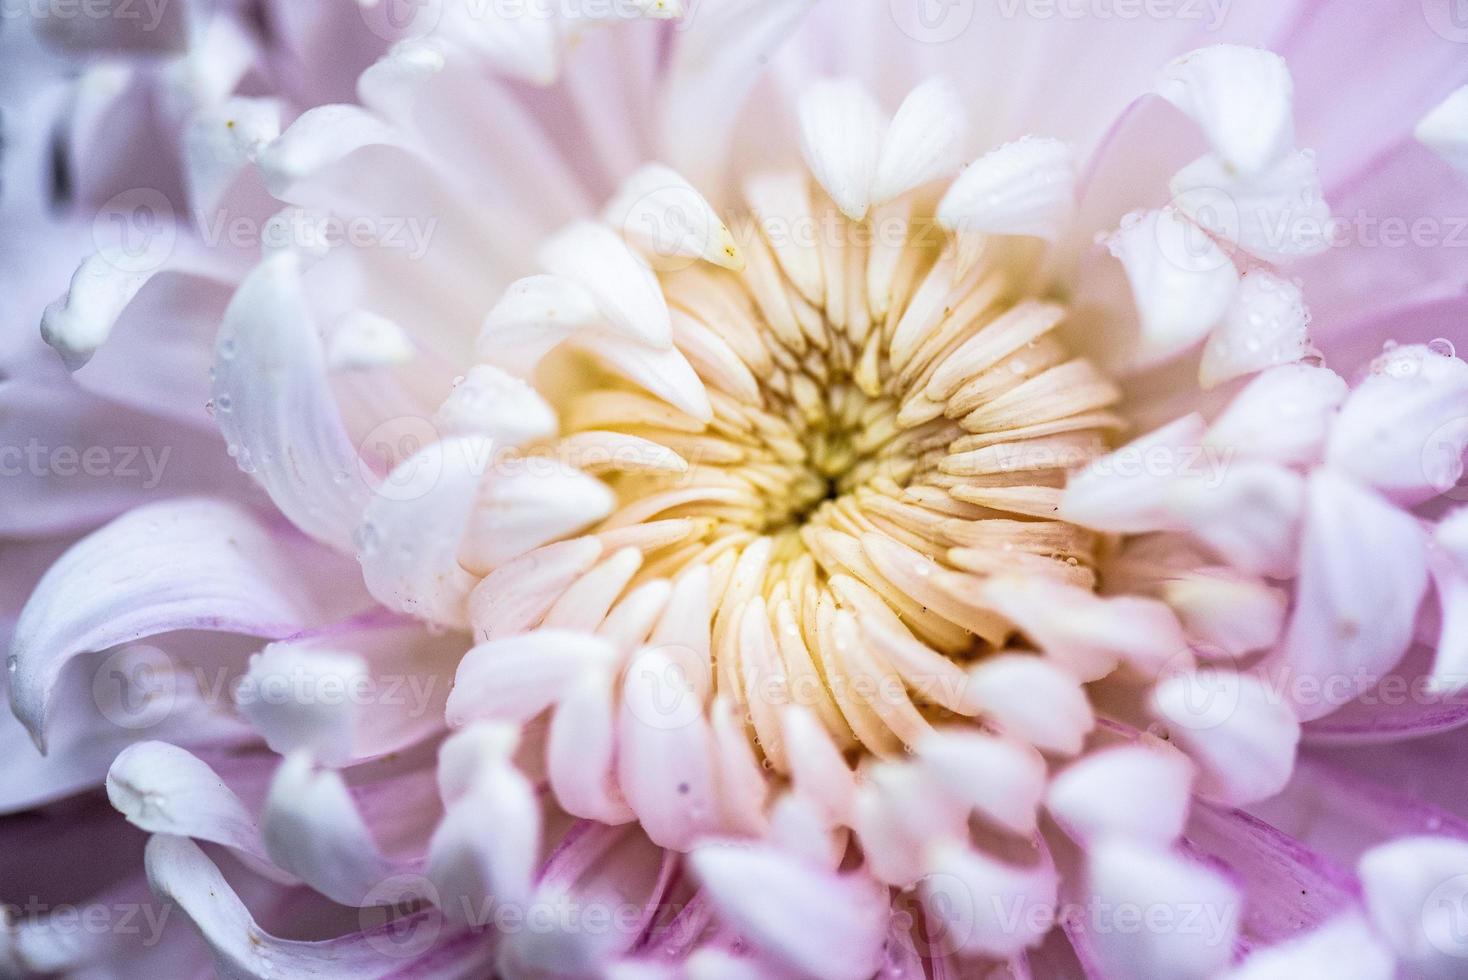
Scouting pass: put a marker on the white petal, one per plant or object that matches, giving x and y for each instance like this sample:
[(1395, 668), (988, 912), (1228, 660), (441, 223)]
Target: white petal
[(165, 790), (276, 410), (413, 527), (362, 341), (318, 138), (665, 748), (516, 678), (1277, 215), (743, 788), (580, 749), (1249, 513), (622, 285), (781, 202), (1127, 490), (1403, 429), (1241, 733), (221, 141), (1033, 699), (815, 920), (988, 906), (1225, 612), (924, 141), (1357, 597), (535, 314), (705, 83), (1345, 948), (1199, 908), (312, 829), (303, 699), (179, 871), (1444, 130), (817, 767), (841, 133), (1282, 415), (516, 596), (471, 868), (1096, 633), (499, 406), (525, 47), (1415, 889), (665, 216), (178, 565), (101, 288), (1136, 792), (1000, 778), (1450, 572), (530, 506), (1022, 188), (1267, 324), (665, 373), (1240, 97), (1181, 280)]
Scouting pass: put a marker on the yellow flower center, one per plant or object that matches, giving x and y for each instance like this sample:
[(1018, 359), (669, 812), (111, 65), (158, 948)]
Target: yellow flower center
[(893, 421)]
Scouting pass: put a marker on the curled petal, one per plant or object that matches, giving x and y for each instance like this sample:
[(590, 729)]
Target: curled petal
[(180, 565), (276, 410), (179, 871), (1240, 97), (166, 790), (1181, 281)]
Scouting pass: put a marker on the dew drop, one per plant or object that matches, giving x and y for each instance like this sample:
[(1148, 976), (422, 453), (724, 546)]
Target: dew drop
[(1443, 347)]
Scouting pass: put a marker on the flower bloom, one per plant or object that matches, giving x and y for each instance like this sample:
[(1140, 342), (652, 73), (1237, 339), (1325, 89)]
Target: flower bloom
[(771, 489)]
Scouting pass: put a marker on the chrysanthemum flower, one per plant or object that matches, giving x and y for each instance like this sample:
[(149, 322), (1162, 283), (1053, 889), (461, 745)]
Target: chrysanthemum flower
[(863, 491)]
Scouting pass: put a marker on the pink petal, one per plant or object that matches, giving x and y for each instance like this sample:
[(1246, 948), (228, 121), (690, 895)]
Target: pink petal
[(814, 920), (184, 565), (275, 409), (1241, 733)]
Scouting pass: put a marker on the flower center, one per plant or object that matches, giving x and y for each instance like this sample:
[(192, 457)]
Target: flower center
[(892, 422)]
